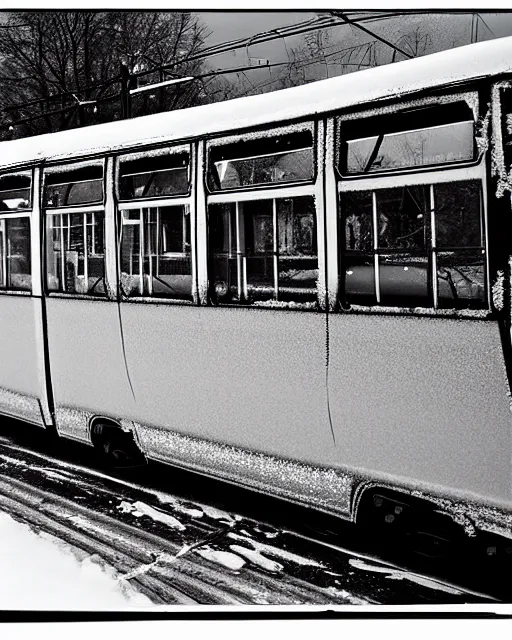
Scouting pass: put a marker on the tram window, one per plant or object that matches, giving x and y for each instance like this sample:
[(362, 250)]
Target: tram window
[(156, 253), (15, 266), (277, 257), (297, 249), (75, 253), (154, 176), (358, 257), (74, 186), (458, 220), (285, 158), (15, 192), (461, 279), (399, 270), (419, 138)]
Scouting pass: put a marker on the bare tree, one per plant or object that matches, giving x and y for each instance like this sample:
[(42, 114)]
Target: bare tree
[(76, 55), (324, 54)]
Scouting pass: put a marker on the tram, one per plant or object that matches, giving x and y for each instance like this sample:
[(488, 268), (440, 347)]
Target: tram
[(307, 292)]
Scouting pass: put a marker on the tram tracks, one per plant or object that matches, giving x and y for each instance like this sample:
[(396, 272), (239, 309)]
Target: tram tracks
[(181, 552), (170, 577)]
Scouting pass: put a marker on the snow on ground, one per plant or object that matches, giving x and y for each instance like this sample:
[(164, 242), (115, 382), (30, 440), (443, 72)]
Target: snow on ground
[(41, 572)]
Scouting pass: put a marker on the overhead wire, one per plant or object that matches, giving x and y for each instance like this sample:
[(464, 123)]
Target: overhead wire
[(319, 22)]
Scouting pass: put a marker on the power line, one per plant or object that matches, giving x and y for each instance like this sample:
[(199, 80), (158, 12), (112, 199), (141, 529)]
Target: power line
[(320, 22), (373, 34), (486, 25), (307, 26), (199, 55)]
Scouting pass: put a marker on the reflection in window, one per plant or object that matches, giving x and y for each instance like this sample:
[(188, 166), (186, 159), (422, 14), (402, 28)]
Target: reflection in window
[(461, 279), (75, 253), (15, 267), (74, 186), (403, 233), (442, 144), (154, 176), (156, 253), (359, 262), (15, 192), (297, 250), (458, 220), (403, 218), (263, 250), (287, 158), (400, 269)]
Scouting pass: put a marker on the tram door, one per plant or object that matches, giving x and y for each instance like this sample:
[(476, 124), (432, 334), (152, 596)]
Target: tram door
[(85, 343)]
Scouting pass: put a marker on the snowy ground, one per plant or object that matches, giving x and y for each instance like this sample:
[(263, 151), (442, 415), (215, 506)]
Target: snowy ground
[(176, 548), (41, 572)]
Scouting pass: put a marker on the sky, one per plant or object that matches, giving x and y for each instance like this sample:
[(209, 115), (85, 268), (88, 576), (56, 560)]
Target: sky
[(435, 32), (228, 25)]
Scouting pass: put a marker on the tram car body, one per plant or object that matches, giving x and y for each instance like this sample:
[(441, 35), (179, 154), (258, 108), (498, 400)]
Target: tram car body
[(305, 292)]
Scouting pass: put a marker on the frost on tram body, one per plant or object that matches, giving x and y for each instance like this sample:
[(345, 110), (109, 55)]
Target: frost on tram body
[(306, 292)]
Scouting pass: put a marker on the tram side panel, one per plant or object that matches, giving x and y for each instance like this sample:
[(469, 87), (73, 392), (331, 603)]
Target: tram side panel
[(21, 359), (89, 376), (253, 379), (423, 402)]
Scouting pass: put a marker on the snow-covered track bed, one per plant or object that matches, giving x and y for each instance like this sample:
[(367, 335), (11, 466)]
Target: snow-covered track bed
[(151, 561), (179, 551)]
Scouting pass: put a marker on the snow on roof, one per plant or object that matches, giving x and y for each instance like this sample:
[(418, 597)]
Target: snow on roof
[(471, 62)]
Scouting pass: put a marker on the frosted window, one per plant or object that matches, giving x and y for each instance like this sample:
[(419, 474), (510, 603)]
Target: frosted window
[(287, 158), (14, 192), (154, 176), (75, 253), (443, 144), (263, 250), (156, 256), (390, 250), (80, 186), (15, 267)]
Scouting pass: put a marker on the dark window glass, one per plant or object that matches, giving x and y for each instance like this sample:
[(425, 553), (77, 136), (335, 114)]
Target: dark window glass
[(14, 192), (400, 271), (154, 176), (404, 280), (258, 229), (403, 217), (461, 279), (75, 253), (444, 144), (222, 253), (287, 158), (358, 265), (410, 138), (74, 187), (458, 220), (156, 253), (297, 249), (278, 251), (15, 267)]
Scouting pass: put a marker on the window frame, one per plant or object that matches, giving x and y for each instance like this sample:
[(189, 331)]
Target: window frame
[(84, 210), (18, 215), (474, 172), (161, 151), (55, 168), (412, 176), (273, 191), (21, 172), (472, 100), (262, 134), (140, 204)]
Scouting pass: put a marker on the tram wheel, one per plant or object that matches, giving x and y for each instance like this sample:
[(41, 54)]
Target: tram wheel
[(117, 449)]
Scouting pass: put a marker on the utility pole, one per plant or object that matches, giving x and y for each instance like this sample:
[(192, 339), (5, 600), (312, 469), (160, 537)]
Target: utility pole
[(124, 96)]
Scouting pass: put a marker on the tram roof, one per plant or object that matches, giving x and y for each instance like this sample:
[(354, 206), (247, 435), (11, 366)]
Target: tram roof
[(461, 64)]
